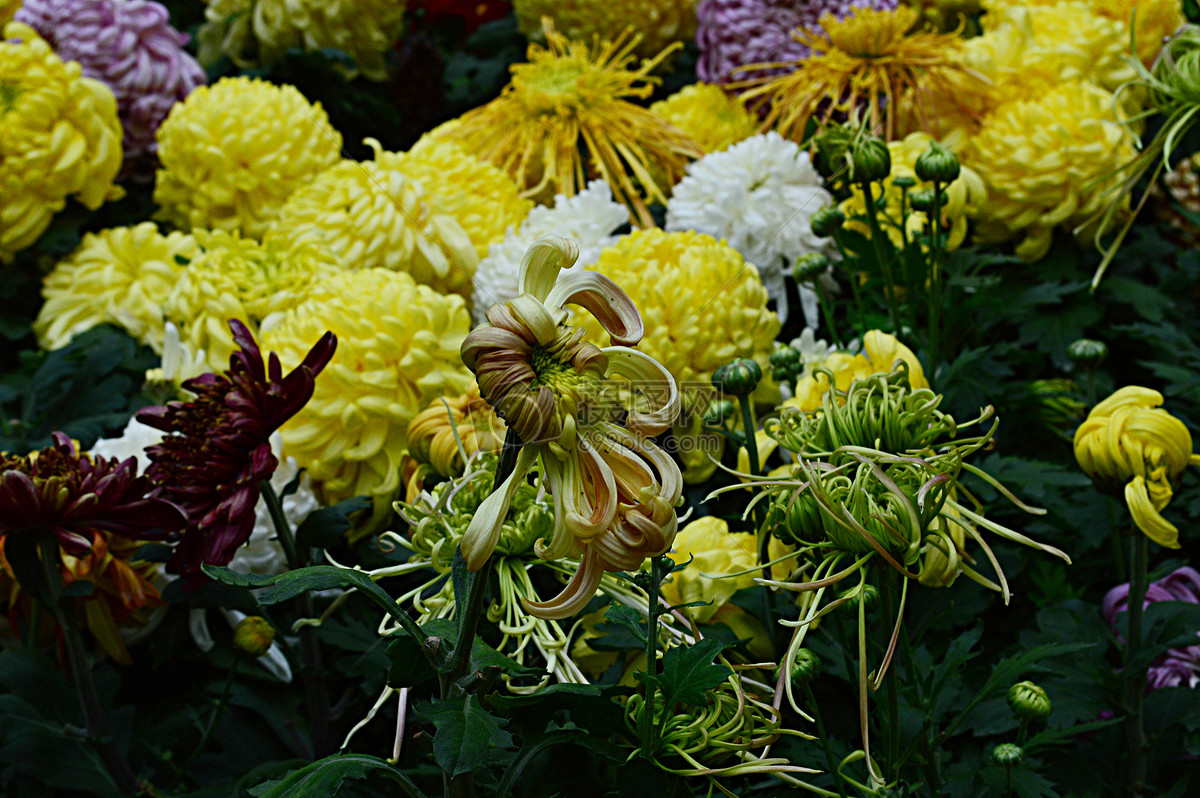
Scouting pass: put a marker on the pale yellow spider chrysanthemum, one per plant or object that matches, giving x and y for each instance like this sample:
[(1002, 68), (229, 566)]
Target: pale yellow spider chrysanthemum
[(565, 112), (119, 276), (60, 137), (659, 22), (232, 153), (398, 350), (870, 58)]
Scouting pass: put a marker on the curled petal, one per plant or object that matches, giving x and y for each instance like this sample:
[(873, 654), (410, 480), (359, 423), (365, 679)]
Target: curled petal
[(604, 299), (544, 259), (670, 479), (533, 315), (589, 493), (479, 540), (487, 338), (653, 382), (575, 595), (1146, 515)]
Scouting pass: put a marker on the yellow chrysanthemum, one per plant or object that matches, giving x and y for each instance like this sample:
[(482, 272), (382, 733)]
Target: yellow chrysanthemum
[(239, 278), (398, 349), (1156, 19), (1046, 162), (711, 117), (871, 57), (965, 195), (658, 22), (701, 303), (232, 153), (880, 352), (564, 111), (1132, 447), (120, 276), (60, 137), (714, 552), (437, 431), (255, 32)]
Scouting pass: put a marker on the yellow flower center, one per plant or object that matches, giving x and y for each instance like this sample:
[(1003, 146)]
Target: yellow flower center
[(560, 377)]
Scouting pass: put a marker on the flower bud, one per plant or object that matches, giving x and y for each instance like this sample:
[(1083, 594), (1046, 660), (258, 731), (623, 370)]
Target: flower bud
[(1028, 701), (1007, 754), (787, 357), (737, 377), (718, 412), (827, 221), (253, 636), (869, 596), (903, 181), (926, 200), (810, 266), (871, 161), (805, 667), (937, 164), (1087, 353)]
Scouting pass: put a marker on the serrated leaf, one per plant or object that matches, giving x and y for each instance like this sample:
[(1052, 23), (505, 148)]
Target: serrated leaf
[(466, 734), (326, 776), (689, 673), (623, 628)]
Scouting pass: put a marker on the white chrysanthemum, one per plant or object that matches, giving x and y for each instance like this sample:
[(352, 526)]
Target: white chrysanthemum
[(759, 195), (589, 218)]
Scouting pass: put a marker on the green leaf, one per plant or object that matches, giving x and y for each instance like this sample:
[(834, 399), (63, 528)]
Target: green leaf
[(43, 752), (466, 734), (325, 527), (689, 673), (408, 666), (325, 777), (624, 628), (590, 706)]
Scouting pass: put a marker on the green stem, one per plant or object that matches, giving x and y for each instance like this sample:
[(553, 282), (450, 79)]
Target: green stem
[(885, 262), (893, 690), (1135, 678), (218, 710), (827, 312), (316, 694), (94, 720), (935, 282), (749, 430), (830, 762), (647, 727)]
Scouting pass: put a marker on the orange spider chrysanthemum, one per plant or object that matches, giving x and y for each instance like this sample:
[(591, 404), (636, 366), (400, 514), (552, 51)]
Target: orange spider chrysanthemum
[(870, 58), (564, 114)]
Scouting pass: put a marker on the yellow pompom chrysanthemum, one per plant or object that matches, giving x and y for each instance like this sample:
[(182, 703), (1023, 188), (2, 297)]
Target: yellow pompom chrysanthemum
[(232, 153), (1046, 162), (120, 276), (711, 117), (255, 32), (1156, 19), (239, 278), (565, 113), (658, 22), (60, 137), (964, 196), (398, 349)]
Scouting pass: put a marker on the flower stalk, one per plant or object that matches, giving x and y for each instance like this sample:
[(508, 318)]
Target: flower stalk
[(1135, 675), (885, 262)]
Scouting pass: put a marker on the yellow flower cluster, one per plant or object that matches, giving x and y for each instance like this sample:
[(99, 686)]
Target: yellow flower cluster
[(232, 153), (658, 22), (398, 349), (239, 278), (1156, 19), (701, 303), (966, 195), (1130, 446), (120, 276), (60, 137), (880, 353), (437, 431), (1047, 161), (711, 117), (255, 32)]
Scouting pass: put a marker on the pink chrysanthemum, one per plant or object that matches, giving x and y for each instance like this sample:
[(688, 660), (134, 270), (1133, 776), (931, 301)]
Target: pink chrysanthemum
[(130, 46), (735, 33)]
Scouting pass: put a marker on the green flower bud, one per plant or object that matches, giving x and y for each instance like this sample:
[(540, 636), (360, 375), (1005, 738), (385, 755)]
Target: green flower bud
[(810, 266), (871, 161), (787, 357), (827, 221), (1087, 353), (718, 412), (805, 667), (925, 200), (737, 377), (1007, 754), (253, 636), (869, 596), (937, 164), (903, 181), (1028, 701)]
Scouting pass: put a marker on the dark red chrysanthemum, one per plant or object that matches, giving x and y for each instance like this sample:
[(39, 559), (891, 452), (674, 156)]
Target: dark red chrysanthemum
[(217, 451), (74, 495)]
